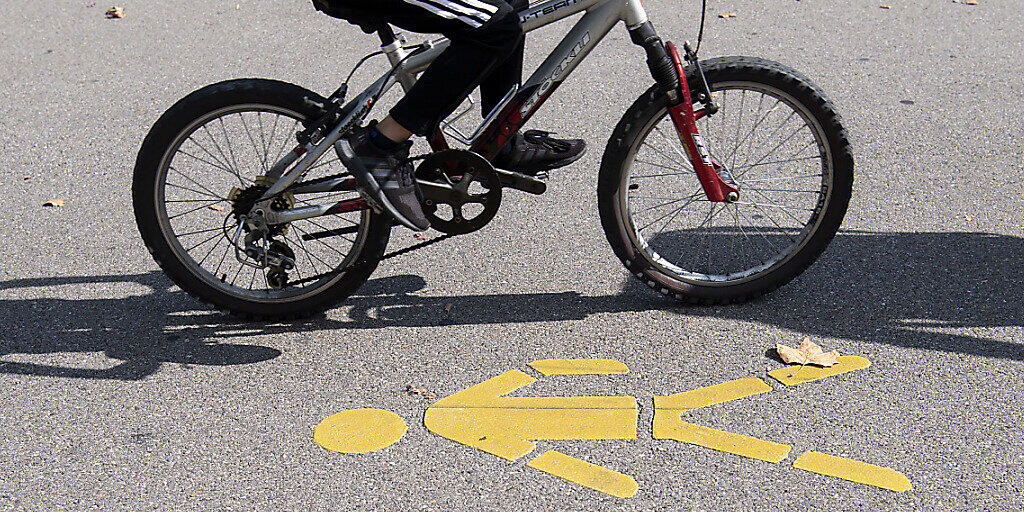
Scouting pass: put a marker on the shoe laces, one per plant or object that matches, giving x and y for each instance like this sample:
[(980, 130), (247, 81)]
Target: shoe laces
[(406, 172), (542, 138)]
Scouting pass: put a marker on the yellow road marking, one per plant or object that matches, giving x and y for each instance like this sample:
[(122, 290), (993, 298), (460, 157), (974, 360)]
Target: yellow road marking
[(712, 395), (586, 474), (489, 394), (481, 417), (579, 367), (359, 430), (667, 425), (796, 374), (860, 472)]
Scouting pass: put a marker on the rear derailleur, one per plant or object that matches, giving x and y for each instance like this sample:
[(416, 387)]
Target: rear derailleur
[(255, 241)]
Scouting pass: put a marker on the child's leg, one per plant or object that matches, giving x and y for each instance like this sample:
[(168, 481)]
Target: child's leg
[(510, 72), (483, 34)]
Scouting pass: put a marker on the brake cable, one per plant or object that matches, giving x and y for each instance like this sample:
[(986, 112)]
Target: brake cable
[(700, 32)]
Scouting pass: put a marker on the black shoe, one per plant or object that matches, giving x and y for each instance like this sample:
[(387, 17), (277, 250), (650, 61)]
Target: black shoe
[(533, 152), (387, 178)]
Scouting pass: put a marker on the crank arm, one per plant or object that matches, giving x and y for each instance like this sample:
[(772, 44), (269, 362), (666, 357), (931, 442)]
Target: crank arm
[(521, 182)]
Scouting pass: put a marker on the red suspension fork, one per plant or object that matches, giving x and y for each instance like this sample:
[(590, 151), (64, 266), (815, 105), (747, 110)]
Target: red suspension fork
[(685, 122)]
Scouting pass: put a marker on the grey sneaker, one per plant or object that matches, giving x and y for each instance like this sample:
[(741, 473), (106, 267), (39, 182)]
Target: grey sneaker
[(388, 179)]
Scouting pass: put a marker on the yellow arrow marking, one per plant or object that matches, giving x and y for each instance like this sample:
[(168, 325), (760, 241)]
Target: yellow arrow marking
[(796, 374), (855, 471), (481, 417), (579, 367), (586, 474), (669, 425)]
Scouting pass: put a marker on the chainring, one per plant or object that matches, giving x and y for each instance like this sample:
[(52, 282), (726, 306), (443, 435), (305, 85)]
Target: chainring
[(457, 179)]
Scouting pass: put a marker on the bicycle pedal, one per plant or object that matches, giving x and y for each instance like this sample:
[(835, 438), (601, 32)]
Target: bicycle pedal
[(529, 184)]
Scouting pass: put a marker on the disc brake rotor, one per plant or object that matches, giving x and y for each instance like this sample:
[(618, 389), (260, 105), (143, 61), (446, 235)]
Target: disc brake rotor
[(461, 191)]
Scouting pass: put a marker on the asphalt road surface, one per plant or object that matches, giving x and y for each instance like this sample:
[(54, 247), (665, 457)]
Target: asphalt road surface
[(119, 392)]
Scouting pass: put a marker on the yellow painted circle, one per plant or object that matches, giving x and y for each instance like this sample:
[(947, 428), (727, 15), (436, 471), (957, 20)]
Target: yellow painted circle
[(359, 430)]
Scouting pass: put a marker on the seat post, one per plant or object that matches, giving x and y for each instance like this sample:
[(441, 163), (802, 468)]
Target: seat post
[(386, 34)]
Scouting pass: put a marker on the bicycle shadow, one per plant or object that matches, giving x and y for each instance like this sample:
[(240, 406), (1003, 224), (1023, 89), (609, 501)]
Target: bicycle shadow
[(904, 289), (932, 291)]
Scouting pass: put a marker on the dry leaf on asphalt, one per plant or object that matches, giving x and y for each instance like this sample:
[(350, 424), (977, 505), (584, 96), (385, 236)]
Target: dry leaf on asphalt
[(420, 236), (808, 353), (419, 391), (115, 12), (216, 207), (885, 7), (54, 203), (727, 15)]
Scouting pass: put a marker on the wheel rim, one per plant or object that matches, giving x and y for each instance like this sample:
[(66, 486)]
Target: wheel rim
[(774, 149), (230, 147)]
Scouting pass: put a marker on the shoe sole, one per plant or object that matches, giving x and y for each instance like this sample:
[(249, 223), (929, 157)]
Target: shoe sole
[(551, 166), (370, 186)]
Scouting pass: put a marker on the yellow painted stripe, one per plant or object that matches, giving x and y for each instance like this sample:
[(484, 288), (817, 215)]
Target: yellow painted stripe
[(586, 474), (712, 395), (579, 367), (667, 425), (796, 374), (852, 470)]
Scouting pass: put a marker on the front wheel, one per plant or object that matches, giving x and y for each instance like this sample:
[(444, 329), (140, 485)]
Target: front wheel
[(776, 137)]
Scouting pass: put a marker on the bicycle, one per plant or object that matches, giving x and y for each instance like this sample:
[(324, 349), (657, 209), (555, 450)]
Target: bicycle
[(693, 202)]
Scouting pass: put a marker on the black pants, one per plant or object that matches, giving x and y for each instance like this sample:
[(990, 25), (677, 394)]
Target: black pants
[(486, 50)]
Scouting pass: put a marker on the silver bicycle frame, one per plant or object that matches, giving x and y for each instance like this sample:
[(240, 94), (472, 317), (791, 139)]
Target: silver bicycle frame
[(589, 30)]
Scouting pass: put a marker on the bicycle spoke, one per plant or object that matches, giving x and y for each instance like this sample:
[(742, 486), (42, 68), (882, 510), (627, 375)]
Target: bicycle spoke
[(227, 142), (778, 162), (784, 122), (210, 251), (317, 240), (739, 122), (772, 205), (224, 156), (683, 171), (672, 144), (198, 232), (215, 235), (196, 183), (667, 156), (758, 231), (193, 190), (252, 141), (224, 166), (780, 178), (690, 200), (200, 207), (287, 138)]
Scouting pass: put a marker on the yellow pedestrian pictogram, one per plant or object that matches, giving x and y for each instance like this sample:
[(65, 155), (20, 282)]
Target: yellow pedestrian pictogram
[(669, 425), (484, 417)]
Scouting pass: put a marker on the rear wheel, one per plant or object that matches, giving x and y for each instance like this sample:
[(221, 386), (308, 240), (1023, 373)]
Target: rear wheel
[(201, 167), (776, 138)]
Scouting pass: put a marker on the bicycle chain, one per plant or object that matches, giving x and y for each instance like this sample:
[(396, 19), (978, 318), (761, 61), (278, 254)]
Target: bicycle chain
[(392, 254)]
